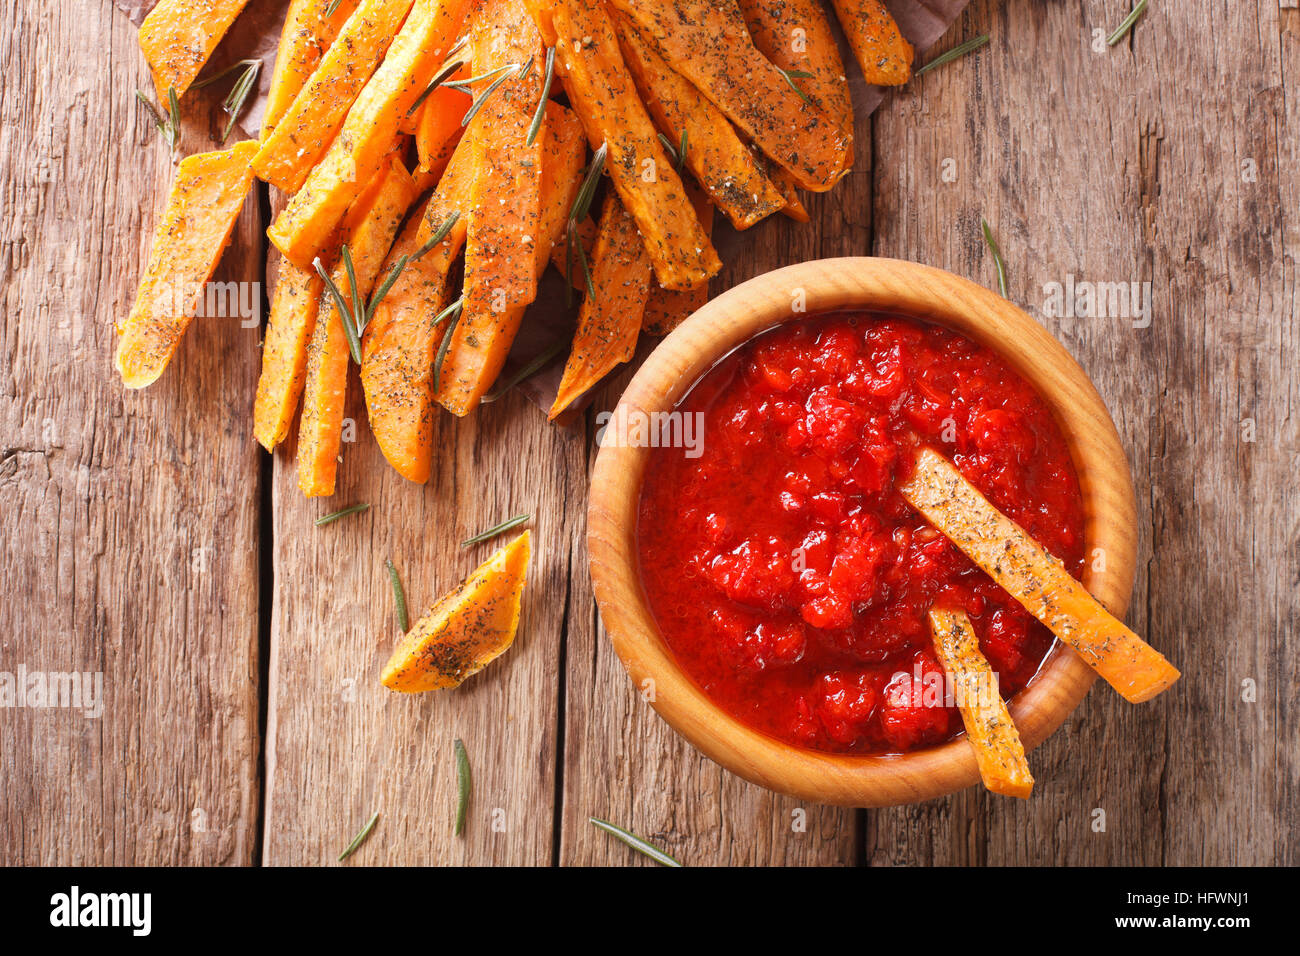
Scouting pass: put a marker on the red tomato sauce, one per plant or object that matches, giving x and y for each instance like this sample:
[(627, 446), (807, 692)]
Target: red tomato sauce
[(787, 574)]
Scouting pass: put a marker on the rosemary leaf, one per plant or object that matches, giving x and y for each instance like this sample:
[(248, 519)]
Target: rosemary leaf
[(464, 783), (398, 268), (791, 76), (959, 50), (438, 236), (587, 191), (1122, 31), (169, 127), (682, 151), (635, 842), (528, 371), (209, 80), (670, 149), (360, 838), (399, 596), (440, 78), (536, 125), (454, 311), (586, 269), (997, 256), (487, 95), (349, 319), (332, 8), (492, 532), (336, 515), (234, 102)]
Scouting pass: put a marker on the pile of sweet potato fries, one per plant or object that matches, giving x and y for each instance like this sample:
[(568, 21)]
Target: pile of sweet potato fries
[(505, 114)]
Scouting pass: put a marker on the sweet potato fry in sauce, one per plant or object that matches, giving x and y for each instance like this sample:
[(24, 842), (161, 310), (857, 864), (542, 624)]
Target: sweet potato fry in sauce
[(1037, 580), (989, 728)]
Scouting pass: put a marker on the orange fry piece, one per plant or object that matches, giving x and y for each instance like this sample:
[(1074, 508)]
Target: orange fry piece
[(1013, 559), (610, 321), (370, 131), (399, 343), (992, 734), (881, 51), (373, 224), (669, 308), (603, 95), (311, 121), (482, 340), (309, 29), (178, 36), (193, 231)]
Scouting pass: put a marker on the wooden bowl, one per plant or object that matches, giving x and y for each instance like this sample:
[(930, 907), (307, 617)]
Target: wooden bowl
[(884, 285)]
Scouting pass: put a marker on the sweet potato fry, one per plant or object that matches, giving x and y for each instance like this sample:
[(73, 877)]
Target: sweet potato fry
[(309, 29), (992, 734), (205, 201), (708, 43), (794, 207), (398, 346), (482, 340), (603, 95), (721, 162), (438, 130), (369, 131), (320, 430), (284, 352), (1037, 580), (883, 54), (669, 308), (311, 122), (610, 321), (178, 36), (796, 35)]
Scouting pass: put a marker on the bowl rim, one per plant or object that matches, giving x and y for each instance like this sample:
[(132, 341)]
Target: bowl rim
[(788, 294)]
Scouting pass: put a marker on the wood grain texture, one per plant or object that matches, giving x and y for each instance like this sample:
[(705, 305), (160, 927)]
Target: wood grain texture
[(341, 746), (128, 519), (1172, 158), (1131, 164)]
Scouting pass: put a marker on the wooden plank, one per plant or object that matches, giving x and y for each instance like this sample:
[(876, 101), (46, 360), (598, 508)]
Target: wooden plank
[(1185, 185), (341, 746), (129, 518), (622, 763)]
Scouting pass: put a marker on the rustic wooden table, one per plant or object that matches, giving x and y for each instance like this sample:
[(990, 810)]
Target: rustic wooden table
[(146, 536)]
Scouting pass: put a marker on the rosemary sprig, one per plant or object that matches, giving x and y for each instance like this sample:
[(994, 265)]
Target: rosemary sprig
[(346, 316), (171, 126), (400, 266), (536, 124), (360, 838), (791, 76), (528, 371), (635, 842), (399, 596), (234, 102), (1122, 30), (486, 95), (676, 153), (332, 8), (495, 530), (581, 207), (336, 515), (439, 79), (453, 310), (464, 783), (997, 256), (960, 50)]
